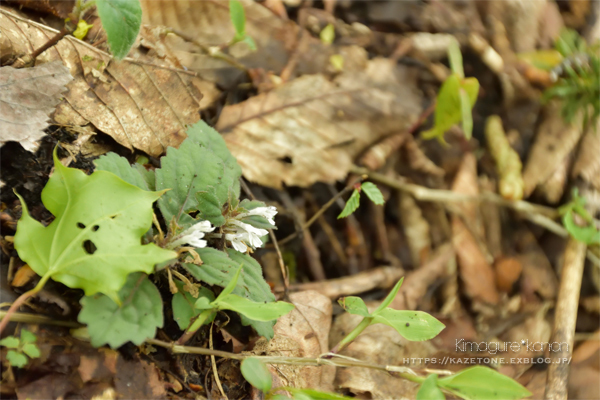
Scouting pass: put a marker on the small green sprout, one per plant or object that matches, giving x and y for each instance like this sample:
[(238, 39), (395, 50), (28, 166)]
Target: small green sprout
[(21, 349), (586, 232), (353, 202), (238, 19)]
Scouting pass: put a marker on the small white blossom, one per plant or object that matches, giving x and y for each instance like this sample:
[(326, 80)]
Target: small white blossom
[(237, 241), (193, 235), (266, 212), (245, 234)]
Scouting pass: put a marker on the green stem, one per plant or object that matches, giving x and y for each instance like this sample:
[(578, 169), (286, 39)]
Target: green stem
[(198, 322), (21, 299), (352, 335)]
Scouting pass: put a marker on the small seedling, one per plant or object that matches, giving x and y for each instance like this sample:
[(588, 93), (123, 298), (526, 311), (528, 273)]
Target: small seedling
[(455, 100), (21, 348), (353, 202), (238, 19), (586, 231)]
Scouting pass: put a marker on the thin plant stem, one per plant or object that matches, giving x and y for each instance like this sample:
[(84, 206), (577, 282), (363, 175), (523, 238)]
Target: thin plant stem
[(21, 300), (194, 326), (352, 335)]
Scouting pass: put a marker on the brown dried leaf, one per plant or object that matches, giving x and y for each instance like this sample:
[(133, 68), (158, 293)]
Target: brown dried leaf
[(587, 164), (139, 105), (311, 129), (538, 274), (418, 160), (416, 228), (304, 332), (27, 97), (555, 139), (508, 270)]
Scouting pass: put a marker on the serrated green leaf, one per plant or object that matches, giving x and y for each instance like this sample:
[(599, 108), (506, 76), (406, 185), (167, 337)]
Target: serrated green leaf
[(16, 359), (252, 310), (455, 58), (94, 241), (183, 304), (354, 305), (31, 350), (219, 267), (201, 164), (11, 342), (429, 389), (27, 337), (238, 18), (257, 374), (351, 205), (483, 383), (210, 207), (413, 325), (121, 20), (134, 321), (112, 162), (390, 297), (373, 193)]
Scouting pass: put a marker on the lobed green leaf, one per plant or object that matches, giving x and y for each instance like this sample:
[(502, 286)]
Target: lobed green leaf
[(121, 20), (16, 359)]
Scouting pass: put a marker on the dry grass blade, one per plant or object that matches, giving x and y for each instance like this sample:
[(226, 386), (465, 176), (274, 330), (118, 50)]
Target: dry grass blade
[(141, 106), (311, 129)]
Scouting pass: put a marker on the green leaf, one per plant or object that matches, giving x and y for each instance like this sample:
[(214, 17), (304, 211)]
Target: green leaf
[(467, 117), (312, 394), (238, 18), (351, 205), (587, 234), (390, 297), (219, 267), (257, 373), (204, 303), (255, 220), (250, 42), (16, 359), (483, 383), (183, 304), (373, 193), (354, 305), (27, 337), (201, 164), (94, 241), (210, 207), (252, 310), (11, 342), (455, 58), (112, 162), (429, 389), (413, 325), (232, 282), (31, 350), (135, 320), (121, 19)]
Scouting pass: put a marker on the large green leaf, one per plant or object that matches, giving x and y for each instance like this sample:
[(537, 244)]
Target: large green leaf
[(94, 241), (429, 389), (483, 383), (202, 173), (257, 373), (219, 267), (413, 325), (121, 19), (112, 162), (135, 320)]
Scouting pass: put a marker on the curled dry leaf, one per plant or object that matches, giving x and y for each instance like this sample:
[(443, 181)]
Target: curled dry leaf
[(311, 129), (304, 332), (27, 97), (418, 160), (141, 106), (554, 186), (555, 139), (416, 228)]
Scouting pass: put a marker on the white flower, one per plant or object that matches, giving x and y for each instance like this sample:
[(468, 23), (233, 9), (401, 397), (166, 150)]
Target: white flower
[(192, 235), (245, 234), (266, 212)]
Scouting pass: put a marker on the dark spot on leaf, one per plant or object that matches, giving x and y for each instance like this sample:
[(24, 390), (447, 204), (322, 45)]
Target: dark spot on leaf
[(285, 160), (95, 228), (113, 216), (309, 336), (89, 247), (80, 225), (407, 324)]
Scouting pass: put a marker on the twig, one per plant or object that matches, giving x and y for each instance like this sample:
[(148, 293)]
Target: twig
[(307, 225), (565, 318), (38, 319), (214, 363)]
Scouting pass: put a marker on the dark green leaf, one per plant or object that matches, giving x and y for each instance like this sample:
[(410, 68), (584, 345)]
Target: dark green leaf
[(351, 205), (136, 320), (183, 304), (257, 373), (483, 383), (112, 162), (429, 389), (413, 325), (211, 208), (354, 305), (219, 267), (121, 19)]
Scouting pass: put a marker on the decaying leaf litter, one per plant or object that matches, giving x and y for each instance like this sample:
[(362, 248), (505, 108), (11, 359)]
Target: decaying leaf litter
[(303, 130)]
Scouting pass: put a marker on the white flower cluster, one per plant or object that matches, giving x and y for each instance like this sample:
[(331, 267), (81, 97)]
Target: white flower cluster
[(244, 234), (241, 234)]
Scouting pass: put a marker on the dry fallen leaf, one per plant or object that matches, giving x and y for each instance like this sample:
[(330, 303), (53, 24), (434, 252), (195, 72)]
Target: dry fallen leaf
[(311, 129), (140, 105), (27, 97), (587, 163), (416, 228)]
